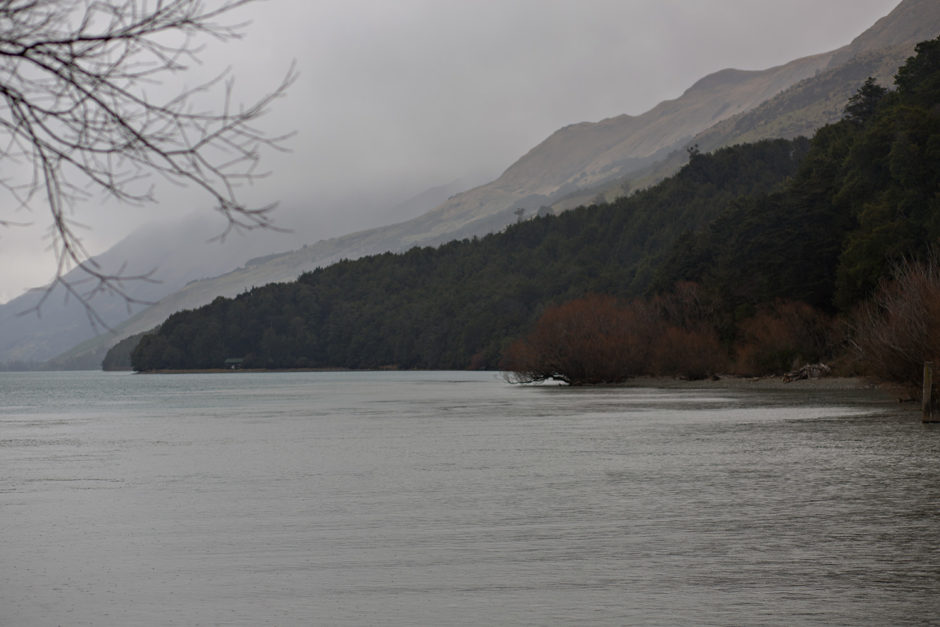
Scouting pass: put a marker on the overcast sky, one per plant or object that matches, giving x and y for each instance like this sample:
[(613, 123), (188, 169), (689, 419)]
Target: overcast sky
[(395, 96)]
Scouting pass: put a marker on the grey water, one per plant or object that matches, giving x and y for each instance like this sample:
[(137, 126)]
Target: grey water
[(458, 499)]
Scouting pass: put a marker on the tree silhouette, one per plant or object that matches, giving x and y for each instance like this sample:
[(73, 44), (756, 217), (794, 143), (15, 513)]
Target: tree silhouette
[(75, 110), (863, 105)]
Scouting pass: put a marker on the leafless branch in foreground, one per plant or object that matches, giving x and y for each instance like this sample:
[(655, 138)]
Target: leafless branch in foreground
[(75, 111)]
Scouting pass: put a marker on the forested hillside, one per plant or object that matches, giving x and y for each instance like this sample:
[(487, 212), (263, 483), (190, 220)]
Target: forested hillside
[(865, 197), (815, 223), (583, 164), (455, 306)]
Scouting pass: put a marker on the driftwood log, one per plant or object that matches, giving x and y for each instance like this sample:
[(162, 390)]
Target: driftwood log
[(809, 371)]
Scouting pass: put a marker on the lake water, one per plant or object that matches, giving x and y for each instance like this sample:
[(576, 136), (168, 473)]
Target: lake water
[(457, 499)]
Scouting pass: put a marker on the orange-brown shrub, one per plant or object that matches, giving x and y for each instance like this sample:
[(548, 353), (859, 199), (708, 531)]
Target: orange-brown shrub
[(590, 340), (689, 353), (688, 345), (780, 337), (898, 329), (598, 339)]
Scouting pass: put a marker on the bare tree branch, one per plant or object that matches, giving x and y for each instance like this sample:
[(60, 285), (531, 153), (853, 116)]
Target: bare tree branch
[(74, 107)]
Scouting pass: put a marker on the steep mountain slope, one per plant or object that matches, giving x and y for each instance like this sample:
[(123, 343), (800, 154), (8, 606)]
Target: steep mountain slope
[(572, 157), (797, 111), (448, 306), (796, 98), (189, 281), (805, 106), (172, 255), (804, 226), (585, 154), (911, 20), (176, 254)]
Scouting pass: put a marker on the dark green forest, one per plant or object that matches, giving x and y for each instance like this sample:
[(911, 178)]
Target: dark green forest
[(817, 222), (455, 306)]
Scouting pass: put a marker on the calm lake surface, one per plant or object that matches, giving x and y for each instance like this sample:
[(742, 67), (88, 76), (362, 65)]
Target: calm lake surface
[(457, 499)]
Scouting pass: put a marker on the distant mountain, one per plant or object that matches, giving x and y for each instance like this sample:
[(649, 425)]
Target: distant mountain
[(455, 305), (172, 254), (582, 160), (745, 253), (573, 157), (184, 262)]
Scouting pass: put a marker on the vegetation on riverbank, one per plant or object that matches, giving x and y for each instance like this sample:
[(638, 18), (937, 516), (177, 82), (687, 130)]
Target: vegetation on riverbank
[(749, 260)]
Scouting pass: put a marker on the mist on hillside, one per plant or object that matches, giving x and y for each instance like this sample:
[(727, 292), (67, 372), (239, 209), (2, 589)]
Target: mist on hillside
[(393, 99)]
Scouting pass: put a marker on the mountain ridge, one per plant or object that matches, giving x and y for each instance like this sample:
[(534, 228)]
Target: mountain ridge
[(798, 110), (760, 256), (564, 163), (175, 256)]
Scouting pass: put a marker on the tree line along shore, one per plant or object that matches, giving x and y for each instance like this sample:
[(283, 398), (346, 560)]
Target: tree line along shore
[(751, 260)]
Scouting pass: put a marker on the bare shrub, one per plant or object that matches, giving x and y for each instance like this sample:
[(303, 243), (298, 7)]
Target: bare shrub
[(598, 339), (590, 340), (688, 344), (687, 306), (690, 353), (898, 329), (780, 337)]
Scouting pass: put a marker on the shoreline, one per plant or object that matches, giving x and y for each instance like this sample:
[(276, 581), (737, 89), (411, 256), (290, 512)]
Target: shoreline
[(728, 381), (892, 393), (770, 382)]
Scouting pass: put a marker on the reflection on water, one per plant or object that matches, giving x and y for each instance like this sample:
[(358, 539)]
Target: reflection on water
[(456, 499)]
